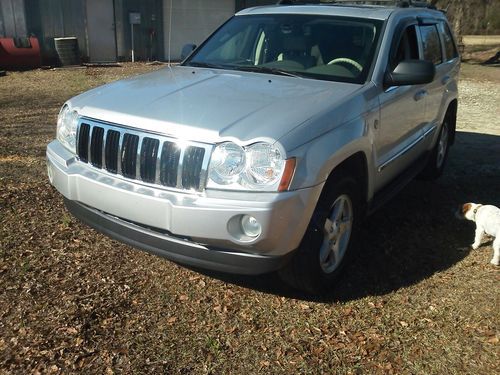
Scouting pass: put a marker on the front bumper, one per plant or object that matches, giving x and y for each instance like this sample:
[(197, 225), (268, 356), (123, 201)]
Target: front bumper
[(196, 229), (174, 249)]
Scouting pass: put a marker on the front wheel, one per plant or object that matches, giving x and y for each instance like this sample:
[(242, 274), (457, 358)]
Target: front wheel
[(329, 239)]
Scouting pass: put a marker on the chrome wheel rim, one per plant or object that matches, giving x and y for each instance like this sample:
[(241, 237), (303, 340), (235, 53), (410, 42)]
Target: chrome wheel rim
[(442, 145), (337, 232)]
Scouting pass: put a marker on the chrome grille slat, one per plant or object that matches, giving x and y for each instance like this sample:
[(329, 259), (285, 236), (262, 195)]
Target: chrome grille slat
[(89, 141), (149, 150), (129, 155), (119, 154), (103, 149), (138, 159), (95, 148), (83, 142), (169, 164), (179, 168), (158, 161), (149, 158), (193, 160), (112, 147)]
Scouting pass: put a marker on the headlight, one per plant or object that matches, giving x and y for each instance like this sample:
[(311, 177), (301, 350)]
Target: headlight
[(265, 165), (228, 160), (67, 123), (257, 167)]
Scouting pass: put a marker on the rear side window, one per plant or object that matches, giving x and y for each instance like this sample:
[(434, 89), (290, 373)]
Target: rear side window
[(431, 44), (449, 45)]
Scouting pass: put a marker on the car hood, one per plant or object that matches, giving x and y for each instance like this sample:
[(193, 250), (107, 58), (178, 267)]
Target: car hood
[(210, 105)]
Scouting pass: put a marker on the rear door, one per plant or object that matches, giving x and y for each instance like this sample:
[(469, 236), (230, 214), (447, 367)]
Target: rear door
[(439, 47), (432, 51)]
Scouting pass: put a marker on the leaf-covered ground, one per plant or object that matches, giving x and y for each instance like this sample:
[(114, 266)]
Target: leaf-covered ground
[(416, 300)]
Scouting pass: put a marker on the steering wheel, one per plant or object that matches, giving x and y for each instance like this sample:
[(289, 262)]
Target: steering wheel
[(347, 61)]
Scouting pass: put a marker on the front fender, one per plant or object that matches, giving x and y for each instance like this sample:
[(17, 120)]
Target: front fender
[(319, 157)]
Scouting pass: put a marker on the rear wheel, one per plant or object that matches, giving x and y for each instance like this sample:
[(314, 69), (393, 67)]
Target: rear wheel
[(437, 160), (329, 239)]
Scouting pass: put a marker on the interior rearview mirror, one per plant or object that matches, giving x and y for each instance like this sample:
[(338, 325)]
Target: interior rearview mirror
[(410, 72)]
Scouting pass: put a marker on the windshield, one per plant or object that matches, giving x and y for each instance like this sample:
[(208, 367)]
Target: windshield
[(312, 46)]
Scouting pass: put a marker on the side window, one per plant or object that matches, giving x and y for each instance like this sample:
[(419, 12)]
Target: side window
[(431, 44), (449, 44), (406, 49)]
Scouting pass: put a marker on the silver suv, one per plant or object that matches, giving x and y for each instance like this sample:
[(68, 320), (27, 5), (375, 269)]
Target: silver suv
[(269, 144)]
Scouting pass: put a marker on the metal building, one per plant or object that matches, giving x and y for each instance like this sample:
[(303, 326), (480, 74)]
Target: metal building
[(104, 28), (191, 21)]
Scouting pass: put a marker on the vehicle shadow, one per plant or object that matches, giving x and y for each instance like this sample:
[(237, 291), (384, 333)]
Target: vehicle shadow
[(416, 234)]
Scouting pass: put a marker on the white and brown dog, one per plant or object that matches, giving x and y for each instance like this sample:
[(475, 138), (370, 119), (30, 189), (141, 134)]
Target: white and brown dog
[(487, 219)]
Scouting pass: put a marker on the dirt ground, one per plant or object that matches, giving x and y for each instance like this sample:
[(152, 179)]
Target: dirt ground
[(416, 300), (475, 40)]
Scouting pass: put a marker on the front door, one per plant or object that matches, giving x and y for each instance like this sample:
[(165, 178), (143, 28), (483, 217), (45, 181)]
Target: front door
[(402, 115), (101, 30)]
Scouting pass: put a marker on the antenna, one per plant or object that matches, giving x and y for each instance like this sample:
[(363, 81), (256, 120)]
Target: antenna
[(170, 32)]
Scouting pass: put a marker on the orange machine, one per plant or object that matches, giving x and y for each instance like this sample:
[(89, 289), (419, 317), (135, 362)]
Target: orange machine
[(19, 53)]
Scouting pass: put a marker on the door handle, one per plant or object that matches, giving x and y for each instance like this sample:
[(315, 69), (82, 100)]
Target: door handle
[(420, 95), (445, 80)]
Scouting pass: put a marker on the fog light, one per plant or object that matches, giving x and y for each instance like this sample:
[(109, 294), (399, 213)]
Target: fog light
[(250, 226)]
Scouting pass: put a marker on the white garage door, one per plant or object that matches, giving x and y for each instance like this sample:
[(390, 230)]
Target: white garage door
[(193, 21)]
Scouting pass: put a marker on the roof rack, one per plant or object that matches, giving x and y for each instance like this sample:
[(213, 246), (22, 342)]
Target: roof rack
[(396, 3)]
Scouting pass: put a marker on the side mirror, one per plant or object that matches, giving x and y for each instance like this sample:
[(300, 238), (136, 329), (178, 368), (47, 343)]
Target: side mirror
[(410, 72), (187, 50)]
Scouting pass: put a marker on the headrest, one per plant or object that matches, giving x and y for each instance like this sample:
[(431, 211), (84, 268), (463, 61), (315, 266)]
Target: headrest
[(295, 43)]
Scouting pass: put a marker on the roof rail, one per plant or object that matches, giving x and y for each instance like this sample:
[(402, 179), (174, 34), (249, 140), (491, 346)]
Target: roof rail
[(397, 3)]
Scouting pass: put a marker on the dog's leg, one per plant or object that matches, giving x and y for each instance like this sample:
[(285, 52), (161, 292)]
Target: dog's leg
[(478, 238), (496, 252)]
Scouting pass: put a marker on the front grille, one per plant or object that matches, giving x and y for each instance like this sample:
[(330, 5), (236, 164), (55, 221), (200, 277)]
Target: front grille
[(150, 158)]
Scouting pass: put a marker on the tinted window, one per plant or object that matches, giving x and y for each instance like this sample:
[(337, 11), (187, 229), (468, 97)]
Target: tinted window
[(431, 44), (449, 44), (406, 49), (312, 46)]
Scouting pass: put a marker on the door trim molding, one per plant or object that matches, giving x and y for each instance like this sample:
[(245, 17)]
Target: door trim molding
[(407, 148)]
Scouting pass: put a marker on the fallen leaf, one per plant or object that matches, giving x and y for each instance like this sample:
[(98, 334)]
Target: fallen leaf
[(493, 340)]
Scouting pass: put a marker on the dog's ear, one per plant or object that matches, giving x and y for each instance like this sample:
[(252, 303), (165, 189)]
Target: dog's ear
[(466, 207)]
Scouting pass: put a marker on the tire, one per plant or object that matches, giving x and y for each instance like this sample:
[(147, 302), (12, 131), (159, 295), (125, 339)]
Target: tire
[(314, 267), (439, 154)]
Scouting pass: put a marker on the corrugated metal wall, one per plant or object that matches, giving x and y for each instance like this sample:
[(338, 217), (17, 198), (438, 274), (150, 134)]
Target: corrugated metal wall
[(193, 21), (2, 28), (148, 36), (12, 18), (49, 19)]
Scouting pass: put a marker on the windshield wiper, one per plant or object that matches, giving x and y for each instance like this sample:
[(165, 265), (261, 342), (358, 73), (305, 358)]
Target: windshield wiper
[(266, 69), (205, 65), (246, 68)]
